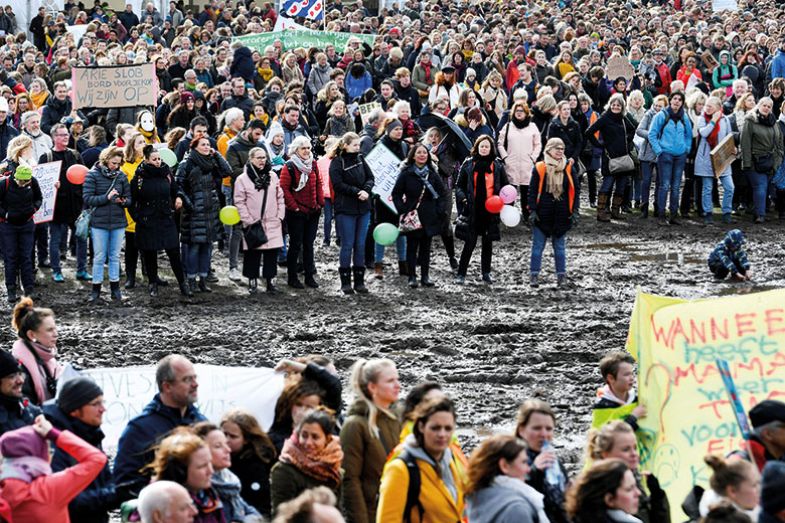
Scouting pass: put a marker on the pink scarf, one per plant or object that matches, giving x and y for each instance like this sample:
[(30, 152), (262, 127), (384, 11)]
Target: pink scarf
[(47, 356)]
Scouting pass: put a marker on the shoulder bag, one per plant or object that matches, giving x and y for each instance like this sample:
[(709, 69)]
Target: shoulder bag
[(410, 221), (254, 234), (624, 163), (83, 221)]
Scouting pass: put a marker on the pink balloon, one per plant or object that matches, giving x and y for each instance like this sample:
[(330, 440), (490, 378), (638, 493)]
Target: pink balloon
[(508, 194)]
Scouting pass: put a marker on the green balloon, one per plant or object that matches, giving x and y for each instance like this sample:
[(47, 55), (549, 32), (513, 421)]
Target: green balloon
[(168, 157), (385, 234), (229, 215)]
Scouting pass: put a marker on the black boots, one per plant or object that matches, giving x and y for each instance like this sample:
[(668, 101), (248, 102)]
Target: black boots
[(403, 268), (253, 285), (153, 288), (346, 280), (311, 282), (203, 285), (130, 282), (192, 286), (359, 277), (185, 289), (425, 279), (271, 289), (114, 287), (294, 282), (95, 293)]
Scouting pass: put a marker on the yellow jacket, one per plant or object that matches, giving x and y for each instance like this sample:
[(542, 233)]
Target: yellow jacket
[(437, 502), (223, 145), (130, 171)]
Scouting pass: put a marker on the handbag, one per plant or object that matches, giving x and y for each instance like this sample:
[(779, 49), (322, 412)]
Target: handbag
[(410, 221), (462, 231), (254, 234), (82, 224), (624, 163), (763, 163)]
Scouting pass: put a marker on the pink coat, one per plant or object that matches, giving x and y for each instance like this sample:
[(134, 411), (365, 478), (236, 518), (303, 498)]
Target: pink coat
[(46, 498), (324, 167), (249, 202)]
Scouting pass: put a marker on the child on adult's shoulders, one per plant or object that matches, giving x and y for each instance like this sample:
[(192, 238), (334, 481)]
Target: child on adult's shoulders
[(730, 258), (617, 369)]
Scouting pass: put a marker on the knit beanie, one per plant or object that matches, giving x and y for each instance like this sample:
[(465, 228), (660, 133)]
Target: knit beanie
[(392, 124), (772, 495), (77, 393), (22, 443), (8, 364)]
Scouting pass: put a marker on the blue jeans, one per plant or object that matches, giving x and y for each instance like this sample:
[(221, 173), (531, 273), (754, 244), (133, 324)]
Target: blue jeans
[(234, 233), (760, 186), (352, 229), (106, 243), (538, 246), (400, 247), (648, 173), (670, 169), (17, 242), (197, 259), (57, 231), (328, 221), (727, 194), (609, 181)]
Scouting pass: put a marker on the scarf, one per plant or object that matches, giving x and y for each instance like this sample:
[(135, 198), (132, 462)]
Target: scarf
[(305, 167), (676, 117), (39, 100), (207, 502), (48, 366), (427, 69), (324, 466), (554, 172), (442, 468), (260, 179), (527, 491), (266, 74), (422, 173), (25, 469), (520, 124), (715, 133), (205, 163), (227, 485), (767, 121)]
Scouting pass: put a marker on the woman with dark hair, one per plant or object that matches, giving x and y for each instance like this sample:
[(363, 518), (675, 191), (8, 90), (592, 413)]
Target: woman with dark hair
[(606, 493), (761, 152), (482, 175), (421, 200), (184, 112), (428, 448), (496, 490), (153, 191), (253, 455)]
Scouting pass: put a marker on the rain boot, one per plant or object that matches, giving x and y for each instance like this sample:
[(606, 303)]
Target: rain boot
[(192, 286), (114, 286), (253, 285), (185, 289), (203, 285), (359, 277), (94, 294), (602, 208), (153, 289), (378, 270), (346, 281), (425, 279), (403, 268), (270, 287), (616, 207), (413, 276)]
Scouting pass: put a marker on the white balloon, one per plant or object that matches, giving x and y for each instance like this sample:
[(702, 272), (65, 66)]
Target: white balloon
[(510, 216)]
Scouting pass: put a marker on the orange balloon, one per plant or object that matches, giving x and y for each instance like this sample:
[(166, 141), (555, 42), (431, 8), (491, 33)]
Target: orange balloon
[(76, 174)]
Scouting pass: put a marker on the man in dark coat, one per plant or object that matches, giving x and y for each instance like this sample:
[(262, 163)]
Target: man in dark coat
[(239, 99), (80, 409), (59, 107), (15, 410), (172, 407), (242, 65), (38, 29), (128, 18)]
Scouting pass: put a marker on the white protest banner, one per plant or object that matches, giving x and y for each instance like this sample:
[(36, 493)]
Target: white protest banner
[(127, 390), (46, 174), (366, 109), (77, 30), (115, 86), (282, 23), (384, 166), (724, 5)]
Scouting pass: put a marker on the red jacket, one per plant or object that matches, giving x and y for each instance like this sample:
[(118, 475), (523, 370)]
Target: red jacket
[(311, 198), (46, 498)]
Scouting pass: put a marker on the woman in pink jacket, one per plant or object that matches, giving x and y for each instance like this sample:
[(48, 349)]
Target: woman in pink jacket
[(29, 487), (259, 198), (519, 146)]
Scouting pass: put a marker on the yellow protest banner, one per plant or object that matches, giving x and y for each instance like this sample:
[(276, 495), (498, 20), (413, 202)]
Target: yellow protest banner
[(689, 413)]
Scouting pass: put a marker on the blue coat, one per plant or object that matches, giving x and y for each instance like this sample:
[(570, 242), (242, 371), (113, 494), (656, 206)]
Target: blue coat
[(670, 137), (134, 450), (702, 159), (355, 87), (778, 65), (729, 253)]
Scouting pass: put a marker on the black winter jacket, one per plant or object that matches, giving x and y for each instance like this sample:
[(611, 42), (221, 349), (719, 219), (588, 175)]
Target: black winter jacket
[(431, 211), (93, 504), (7, 133), (19, 204), (153, 189), (254, 477), (570, 134), (16, 413), (465, 193), (554, 216), (197, 188), (612, 128), (54, 111), (349, 175), (237, 154), (107, 214), (68, 202)]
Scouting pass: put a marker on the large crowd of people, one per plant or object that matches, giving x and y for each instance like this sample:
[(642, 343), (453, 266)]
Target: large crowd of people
[(491, 113)]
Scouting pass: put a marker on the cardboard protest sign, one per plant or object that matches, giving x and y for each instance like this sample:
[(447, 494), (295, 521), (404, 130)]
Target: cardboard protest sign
[(385, 167), (724, 5), (127, 390), (366, 109), (689, 411), (306, 38), (619, 66), (47, 174), (116, 86), (723, 155)]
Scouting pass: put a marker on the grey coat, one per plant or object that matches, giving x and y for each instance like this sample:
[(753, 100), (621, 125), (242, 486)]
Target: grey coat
[(497, 504), (107, 214), (702, 159), (646, 153)]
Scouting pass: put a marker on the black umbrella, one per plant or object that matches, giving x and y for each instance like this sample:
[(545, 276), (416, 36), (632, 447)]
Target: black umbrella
[(450, 130)]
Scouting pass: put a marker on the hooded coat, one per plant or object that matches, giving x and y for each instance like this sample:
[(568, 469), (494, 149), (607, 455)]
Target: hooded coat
[(196, 186), (153, 190)]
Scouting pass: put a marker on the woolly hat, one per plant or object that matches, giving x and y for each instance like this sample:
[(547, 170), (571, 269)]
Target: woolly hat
[(766, 411), (23, 172), (8, 364), (185, 96), (77, 393), (22, 443), (392, 124)]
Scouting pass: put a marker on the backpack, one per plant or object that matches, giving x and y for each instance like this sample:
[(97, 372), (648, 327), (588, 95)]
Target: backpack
[(415, 482)]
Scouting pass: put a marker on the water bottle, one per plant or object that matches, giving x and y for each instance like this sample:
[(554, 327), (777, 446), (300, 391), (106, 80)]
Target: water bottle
[(553, 474)]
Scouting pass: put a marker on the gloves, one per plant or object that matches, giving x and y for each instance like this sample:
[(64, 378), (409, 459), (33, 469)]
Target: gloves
[(533, 218)]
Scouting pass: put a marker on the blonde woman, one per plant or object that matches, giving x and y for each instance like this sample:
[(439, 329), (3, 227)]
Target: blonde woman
[(494, 99), (133, 154)]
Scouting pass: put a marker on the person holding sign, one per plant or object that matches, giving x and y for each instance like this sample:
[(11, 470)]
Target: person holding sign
[(713, 128), (20, 198), (619, 376)]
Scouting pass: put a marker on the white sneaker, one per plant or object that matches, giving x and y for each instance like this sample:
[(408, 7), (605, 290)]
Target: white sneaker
[(235, 275)]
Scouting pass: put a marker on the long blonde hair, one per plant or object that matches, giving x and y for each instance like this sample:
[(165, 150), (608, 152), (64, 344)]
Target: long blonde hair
[(363, 373)]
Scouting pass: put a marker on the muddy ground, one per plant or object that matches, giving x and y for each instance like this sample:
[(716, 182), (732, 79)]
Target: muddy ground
[(492, 346)]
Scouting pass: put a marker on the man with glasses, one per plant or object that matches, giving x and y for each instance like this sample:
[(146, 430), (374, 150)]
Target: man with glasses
[(15, 411), (80, 409), (172, 407)]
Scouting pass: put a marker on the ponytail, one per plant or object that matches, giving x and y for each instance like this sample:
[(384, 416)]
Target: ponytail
[(602, 440), (26, 317), (364, 372)]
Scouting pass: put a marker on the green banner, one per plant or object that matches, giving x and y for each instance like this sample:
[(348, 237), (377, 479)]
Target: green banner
[(306, 38)]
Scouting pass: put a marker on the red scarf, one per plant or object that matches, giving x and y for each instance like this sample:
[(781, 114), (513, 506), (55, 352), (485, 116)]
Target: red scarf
[(427, 68), (715, 133)]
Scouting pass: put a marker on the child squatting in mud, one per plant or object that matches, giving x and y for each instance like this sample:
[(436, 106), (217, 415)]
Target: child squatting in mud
[(729, 257)]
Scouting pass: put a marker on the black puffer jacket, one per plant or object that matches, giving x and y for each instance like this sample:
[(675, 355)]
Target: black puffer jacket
[(93, 504), (349, 175), (197, 188), (570, 134), (108, 215), (431, 210), (153, 190), (465, 192), (19, 204)]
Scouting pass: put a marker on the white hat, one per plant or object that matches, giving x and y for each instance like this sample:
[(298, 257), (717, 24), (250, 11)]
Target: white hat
[(3, 105)]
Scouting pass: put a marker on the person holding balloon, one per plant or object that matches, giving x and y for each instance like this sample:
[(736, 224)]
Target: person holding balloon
[(352, 182), (68, 203), (480, 180), (197, 177), (153, 190), (553, 206)]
